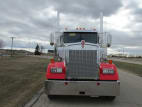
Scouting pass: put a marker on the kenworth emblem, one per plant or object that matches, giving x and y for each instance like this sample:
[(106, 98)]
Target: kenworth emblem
[(82, 43)]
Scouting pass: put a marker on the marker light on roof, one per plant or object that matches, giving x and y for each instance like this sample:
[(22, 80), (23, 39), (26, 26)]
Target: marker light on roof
[(76, 28)]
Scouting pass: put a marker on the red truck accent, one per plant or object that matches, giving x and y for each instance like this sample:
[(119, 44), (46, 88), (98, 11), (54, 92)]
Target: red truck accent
[(62, 75), (108, 76), (50, 75)]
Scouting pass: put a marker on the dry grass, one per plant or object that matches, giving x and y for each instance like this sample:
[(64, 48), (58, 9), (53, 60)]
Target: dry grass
[(133, 68), (20, 79)]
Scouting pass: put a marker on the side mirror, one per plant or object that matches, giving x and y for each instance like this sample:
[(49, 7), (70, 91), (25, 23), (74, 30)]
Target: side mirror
[(109, 40), (105, 39), (51, 43), (55, 38), (51, 39)]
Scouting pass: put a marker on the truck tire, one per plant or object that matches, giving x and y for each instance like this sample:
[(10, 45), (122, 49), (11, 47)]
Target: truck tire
[(50, 96), (111, 98)]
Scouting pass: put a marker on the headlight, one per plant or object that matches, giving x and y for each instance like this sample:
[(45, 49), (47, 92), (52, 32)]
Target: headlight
[(56, 70), (108, 71)]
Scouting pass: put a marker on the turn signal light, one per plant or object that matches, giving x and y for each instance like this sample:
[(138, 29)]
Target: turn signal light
[(110, 61), (52, 60)]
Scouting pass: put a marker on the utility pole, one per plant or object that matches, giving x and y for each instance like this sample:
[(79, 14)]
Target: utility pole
[(123, 51), (12, 39)]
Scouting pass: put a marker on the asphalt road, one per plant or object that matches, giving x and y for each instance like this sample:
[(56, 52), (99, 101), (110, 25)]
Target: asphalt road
[(131, 96)]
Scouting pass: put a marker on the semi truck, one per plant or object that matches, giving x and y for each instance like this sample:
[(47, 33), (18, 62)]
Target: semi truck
[(80, 66)]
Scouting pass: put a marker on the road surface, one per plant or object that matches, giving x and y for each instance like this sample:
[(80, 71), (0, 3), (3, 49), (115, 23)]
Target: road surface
[(131, 96)]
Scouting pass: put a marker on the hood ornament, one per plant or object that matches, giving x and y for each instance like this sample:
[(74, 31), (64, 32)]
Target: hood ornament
[(82, 43)]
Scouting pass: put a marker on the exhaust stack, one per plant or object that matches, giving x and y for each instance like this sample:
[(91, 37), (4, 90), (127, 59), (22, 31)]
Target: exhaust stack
[(101, 28), (101, 22)]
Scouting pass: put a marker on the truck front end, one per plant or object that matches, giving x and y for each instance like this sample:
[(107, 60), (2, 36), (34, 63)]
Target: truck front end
[(82, 69)]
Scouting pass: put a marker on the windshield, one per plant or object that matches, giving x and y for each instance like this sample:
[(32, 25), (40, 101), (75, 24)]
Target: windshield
[(72, 37)]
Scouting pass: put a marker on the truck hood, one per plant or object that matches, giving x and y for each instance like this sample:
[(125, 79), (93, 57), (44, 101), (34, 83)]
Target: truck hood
[(64, 51), (78, 46)]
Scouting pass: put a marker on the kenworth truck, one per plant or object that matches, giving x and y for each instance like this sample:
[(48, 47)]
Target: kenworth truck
[(82, 68)]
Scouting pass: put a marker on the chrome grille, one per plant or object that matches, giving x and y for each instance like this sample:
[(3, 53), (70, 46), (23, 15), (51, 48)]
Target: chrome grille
[(82, 64)]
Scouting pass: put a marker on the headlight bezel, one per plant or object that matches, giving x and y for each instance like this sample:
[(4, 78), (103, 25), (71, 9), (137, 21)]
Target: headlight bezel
[(56, 70), (108, 71)]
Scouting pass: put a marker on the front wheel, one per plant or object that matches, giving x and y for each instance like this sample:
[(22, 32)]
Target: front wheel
[(50, 96), (111, 98)]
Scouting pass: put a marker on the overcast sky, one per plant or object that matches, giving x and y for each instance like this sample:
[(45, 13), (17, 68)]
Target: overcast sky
[(31, 21)]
